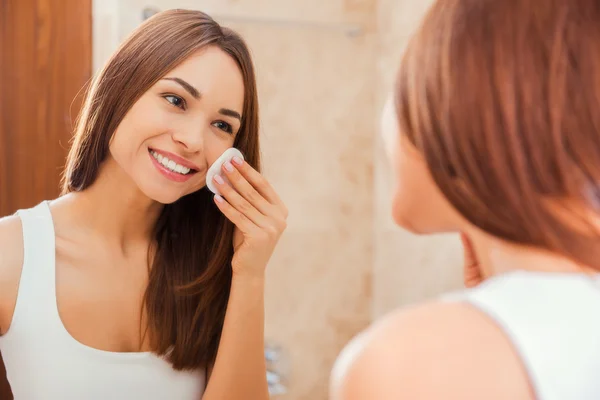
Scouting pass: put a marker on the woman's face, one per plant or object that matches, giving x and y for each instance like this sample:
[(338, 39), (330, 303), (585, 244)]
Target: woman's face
[(181, 125), (418, 205)]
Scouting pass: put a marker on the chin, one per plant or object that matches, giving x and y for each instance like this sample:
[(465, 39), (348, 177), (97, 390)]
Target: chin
[(161, 194), (166, 199), (426, 215), (409, 225), (163, 198), (408, 217), (419, 223), (424, 226)]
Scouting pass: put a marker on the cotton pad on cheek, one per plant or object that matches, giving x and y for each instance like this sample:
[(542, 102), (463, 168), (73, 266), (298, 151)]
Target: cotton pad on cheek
[(215, 168)]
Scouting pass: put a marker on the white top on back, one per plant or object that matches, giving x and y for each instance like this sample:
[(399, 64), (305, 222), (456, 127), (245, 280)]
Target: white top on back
[(553, 322), (43, 361)]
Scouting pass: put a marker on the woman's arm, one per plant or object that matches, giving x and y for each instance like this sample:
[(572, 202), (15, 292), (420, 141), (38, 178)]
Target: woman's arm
[(435, 351), (239, 371), (11, 264), (260, 218)]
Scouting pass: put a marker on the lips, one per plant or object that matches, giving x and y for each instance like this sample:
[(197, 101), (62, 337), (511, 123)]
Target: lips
[(171, 166), (175, 158)]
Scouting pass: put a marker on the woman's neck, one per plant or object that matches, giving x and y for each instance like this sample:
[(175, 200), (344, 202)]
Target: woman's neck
[(497, 256), (114, 208)]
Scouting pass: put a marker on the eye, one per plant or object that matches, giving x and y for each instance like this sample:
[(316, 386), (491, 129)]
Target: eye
[(175, 100), (224, 126)]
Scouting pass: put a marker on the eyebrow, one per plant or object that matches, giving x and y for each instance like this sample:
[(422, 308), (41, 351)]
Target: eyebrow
[(230, 113), (189, 88)]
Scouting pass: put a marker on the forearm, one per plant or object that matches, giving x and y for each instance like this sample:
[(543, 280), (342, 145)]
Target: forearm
[(240, 369)]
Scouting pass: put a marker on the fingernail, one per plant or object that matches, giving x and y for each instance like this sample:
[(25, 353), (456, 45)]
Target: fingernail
[(218, 198), (228, 166), (237, 160), (219, 180)]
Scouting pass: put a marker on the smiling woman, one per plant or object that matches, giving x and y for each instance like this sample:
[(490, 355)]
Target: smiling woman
[(138, 280), (185, 119)]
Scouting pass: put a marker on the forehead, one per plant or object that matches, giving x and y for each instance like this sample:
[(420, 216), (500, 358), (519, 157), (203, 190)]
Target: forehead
[(216, 75)]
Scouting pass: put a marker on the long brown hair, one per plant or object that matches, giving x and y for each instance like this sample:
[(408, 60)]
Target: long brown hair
[(502, 98), (192, 240)]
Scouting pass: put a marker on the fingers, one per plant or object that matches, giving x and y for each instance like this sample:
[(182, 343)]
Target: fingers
[(472, 277), (469, 252), (235, 207), (472, 274), (246, 190), (243, 199), (259, 183), (240, 220)]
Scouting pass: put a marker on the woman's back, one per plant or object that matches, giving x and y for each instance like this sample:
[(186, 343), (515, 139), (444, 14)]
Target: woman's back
[(551, 321), (493, 131), (519, 336)]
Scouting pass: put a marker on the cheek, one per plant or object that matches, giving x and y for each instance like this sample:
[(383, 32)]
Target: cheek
[(417, 203), (214, 147), (118, 145), (409, 189), (141, 123), (124, 147)]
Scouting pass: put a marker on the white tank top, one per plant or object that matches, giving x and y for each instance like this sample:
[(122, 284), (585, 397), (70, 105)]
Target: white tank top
[(43, 361), (553, 322)]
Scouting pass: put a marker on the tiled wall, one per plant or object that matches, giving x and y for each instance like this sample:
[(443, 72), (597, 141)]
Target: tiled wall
[(406, 268), (341, 261), (317, 104)]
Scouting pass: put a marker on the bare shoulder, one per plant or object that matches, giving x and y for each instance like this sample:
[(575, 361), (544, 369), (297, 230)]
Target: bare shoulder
[(11, 264), (432, 351)]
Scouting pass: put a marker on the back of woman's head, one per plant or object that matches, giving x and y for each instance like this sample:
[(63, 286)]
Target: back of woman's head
[(502, 100), (192, 244)]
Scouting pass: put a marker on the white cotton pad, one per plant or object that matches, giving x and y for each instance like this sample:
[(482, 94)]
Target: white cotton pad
[(215, 169)]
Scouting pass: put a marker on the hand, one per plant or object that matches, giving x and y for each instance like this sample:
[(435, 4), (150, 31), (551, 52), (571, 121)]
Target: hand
[(472, 269), (257, 212)]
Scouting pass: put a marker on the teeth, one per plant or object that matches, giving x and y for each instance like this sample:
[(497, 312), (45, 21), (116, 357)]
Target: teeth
[(170, 164)]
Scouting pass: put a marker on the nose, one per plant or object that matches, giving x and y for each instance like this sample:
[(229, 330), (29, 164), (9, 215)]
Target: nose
[(192, 140)]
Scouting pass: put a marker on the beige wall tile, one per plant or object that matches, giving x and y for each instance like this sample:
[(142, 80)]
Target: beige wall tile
[(316, 88), (317, 295), (342, 261), (409, 269), (406, 268)]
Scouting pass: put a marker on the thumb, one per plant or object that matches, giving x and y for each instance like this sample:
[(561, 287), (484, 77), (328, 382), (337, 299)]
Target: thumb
[(471, 270)]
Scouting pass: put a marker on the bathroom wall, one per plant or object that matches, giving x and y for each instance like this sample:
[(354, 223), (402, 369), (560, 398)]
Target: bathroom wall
[(406, 268), (315, 79), (324, 71)]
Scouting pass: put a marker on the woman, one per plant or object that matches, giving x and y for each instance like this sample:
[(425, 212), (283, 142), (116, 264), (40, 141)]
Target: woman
[(494, 131), (138, 283)]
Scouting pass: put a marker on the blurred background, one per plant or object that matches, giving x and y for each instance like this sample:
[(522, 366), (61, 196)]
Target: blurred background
[(324, 71)]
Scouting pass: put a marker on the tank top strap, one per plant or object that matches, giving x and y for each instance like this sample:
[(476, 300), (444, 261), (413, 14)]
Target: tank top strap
[(551, 321), (36, 297)]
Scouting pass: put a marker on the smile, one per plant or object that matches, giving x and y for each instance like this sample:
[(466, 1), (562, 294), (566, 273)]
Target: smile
[(170, 164)]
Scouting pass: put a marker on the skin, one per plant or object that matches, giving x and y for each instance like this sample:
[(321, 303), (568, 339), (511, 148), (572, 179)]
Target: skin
[(102, 239), (439, 350)]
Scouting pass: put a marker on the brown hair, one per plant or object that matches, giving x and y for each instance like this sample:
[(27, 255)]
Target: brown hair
[(192, 247), (502, 98)]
